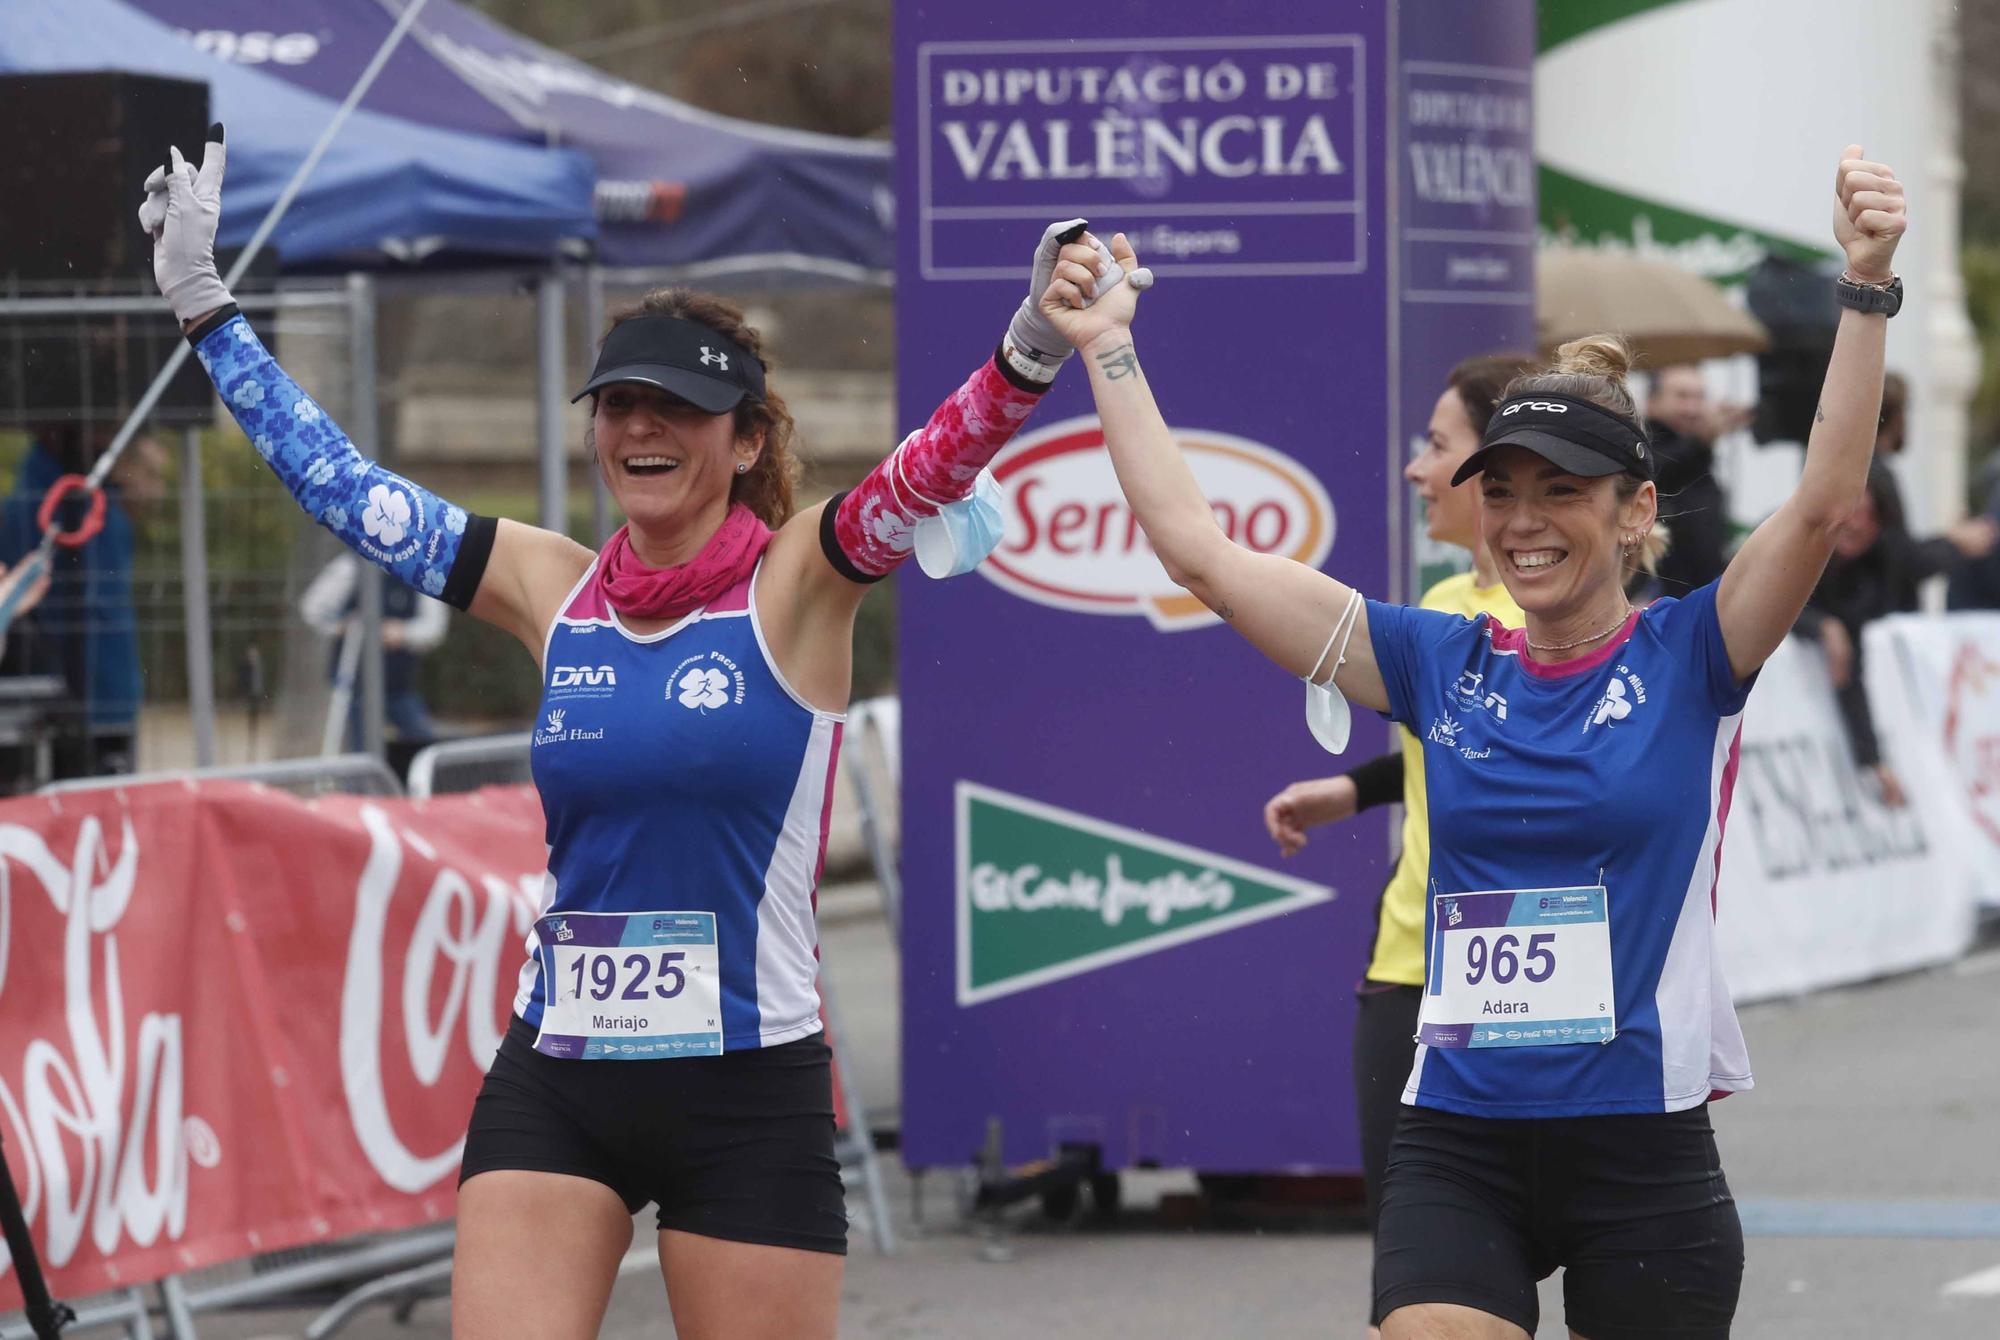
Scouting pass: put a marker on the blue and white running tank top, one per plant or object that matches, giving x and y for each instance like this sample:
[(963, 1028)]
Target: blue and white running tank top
[(679, 771)]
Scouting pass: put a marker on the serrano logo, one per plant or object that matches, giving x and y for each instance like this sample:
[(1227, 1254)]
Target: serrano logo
[(1072, 543)]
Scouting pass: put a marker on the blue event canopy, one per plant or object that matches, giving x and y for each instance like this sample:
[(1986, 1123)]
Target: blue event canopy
[(388, 191), (674, 186)]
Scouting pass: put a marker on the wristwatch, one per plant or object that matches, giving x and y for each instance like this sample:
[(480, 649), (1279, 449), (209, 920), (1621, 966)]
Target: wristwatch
[(1886, 298)]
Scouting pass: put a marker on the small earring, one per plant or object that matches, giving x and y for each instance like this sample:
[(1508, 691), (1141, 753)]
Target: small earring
[(742, 467)]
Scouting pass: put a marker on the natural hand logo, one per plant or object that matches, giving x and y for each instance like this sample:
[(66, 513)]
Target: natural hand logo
[(555, 721), (704, 689), (1614, 705), (387, 516)]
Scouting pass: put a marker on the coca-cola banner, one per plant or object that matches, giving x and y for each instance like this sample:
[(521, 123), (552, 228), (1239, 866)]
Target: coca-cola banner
[(1100, 945), (233, 1021)]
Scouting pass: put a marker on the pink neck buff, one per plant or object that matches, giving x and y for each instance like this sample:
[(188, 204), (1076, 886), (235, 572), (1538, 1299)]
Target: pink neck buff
[(632, 588)]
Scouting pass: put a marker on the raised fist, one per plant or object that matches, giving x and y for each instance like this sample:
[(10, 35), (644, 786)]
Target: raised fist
[(1868, 217)]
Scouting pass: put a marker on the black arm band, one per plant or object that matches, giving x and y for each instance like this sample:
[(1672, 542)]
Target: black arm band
[(1014, 378), (210, 323), (1379, 781), (474, 549), (829, 543)]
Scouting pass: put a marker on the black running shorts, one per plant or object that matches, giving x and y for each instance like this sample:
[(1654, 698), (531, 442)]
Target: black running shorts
[(1475, 1210), (737, 1146)]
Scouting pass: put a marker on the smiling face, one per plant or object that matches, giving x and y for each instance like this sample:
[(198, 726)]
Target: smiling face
[(1556, 537), (669, 464), (1451, 515)]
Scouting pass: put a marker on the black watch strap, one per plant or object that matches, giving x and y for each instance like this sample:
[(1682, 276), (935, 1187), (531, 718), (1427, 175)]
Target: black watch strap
[(1886, 298)]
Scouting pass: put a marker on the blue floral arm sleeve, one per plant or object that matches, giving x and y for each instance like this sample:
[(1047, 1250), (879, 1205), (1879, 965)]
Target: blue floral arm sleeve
[(409, 532)]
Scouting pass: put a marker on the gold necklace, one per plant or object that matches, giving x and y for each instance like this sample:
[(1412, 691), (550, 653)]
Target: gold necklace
[(1594, 637)]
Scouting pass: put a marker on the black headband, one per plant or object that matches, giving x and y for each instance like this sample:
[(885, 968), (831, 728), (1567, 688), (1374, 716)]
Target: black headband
[(1581, 437)]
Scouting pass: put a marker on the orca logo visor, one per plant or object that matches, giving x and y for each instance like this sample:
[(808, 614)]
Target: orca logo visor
[(681, 357), (1574, 435)]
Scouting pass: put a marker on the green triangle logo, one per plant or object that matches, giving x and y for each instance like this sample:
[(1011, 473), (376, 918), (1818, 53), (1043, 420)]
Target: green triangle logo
[(1047, 893)]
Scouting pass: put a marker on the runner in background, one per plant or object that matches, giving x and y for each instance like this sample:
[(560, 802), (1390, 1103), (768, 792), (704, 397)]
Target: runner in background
[(666, 1045), (1389, 992), (1574, 1022)]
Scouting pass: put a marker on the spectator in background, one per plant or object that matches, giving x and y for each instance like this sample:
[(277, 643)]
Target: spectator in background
[(412, 625), (1683, 426), (1975, 584), (1878, 568), (86, 630)]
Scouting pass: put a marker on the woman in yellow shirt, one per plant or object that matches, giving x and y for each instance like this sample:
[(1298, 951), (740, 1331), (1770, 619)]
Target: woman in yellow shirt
[(1392, 988)]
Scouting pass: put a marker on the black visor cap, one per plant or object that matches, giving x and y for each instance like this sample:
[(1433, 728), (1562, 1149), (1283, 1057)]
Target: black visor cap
[(681, 357), (1575, 436)]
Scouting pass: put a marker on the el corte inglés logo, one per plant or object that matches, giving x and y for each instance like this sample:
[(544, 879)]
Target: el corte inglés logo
[(1047, 893), (1072, 543)]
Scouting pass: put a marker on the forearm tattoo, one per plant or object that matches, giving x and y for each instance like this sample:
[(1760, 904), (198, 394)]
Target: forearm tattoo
[(1119, 362)]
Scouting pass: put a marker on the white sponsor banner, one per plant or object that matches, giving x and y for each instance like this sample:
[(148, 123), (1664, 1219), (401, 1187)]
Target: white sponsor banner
[(1821, 884), (1934, 685)]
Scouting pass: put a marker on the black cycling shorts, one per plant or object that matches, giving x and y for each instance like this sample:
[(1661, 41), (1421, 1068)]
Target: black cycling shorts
[(737, 1146), (1635, 1209)]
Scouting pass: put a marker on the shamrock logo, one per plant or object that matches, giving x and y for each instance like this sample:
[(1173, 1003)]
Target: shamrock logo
[(244, 335), (320, 471), (359, 468), (433, 582), (306, 411), (703, 689), (387, 516), (334, 517), (1613, 706), (454, 520), (248, 394), (265, 446)]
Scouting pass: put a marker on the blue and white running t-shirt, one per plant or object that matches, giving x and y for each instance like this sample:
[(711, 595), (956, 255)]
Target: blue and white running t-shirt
[(687, 790), (1550, 782)]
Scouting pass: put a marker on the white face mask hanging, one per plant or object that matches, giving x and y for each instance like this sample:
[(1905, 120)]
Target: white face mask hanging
[(1327, 714)]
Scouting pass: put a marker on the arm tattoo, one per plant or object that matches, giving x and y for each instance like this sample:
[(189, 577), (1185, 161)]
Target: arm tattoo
[(1819, 413), (1119, 362), (1225, 612)]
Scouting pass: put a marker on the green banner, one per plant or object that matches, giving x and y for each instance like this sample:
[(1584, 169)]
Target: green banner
[(1046, 893), (1592, 215)]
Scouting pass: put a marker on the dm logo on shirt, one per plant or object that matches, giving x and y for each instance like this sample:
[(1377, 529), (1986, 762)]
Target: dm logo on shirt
[(1472, 697), (706, 682), (582, 681)]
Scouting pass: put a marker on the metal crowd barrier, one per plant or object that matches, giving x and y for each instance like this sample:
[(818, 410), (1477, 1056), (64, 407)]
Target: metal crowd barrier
[(467, 765), (353, 774), (874, 761)]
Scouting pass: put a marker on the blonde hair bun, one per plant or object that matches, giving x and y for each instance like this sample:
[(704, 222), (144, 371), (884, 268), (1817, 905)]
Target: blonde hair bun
[(1606, 356)]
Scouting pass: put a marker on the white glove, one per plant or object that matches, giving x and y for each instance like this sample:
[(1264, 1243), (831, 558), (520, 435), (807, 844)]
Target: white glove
[(180, 214), (1036, 348)]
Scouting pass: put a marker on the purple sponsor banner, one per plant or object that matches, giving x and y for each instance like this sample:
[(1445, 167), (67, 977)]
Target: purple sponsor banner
[(1072, 725)]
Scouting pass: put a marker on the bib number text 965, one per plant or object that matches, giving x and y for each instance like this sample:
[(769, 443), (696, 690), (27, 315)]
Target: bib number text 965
[(1503, 958)]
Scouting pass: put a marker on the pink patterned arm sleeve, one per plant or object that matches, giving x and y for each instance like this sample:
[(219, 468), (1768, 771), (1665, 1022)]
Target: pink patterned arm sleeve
[(867, 530)]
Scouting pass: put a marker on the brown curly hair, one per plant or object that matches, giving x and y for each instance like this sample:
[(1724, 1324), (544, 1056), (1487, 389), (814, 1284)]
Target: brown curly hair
[(766, 489)]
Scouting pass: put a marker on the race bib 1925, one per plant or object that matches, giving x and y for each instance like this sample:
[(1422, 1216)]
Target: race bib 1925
[(629, 985)]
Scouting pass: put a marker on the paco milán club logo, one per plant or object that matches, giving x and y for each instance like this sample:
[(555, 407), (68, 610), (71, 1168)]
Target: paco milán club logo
[(706, 683)]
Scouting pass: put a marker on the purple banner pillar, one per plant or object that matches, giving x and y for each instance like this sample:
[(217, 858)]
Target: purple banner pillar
[(1099, 941)]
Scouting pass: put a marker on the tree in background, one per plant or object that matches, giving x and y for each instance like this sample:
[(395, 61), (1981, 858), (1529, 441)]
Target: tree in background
[(808, 64)]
